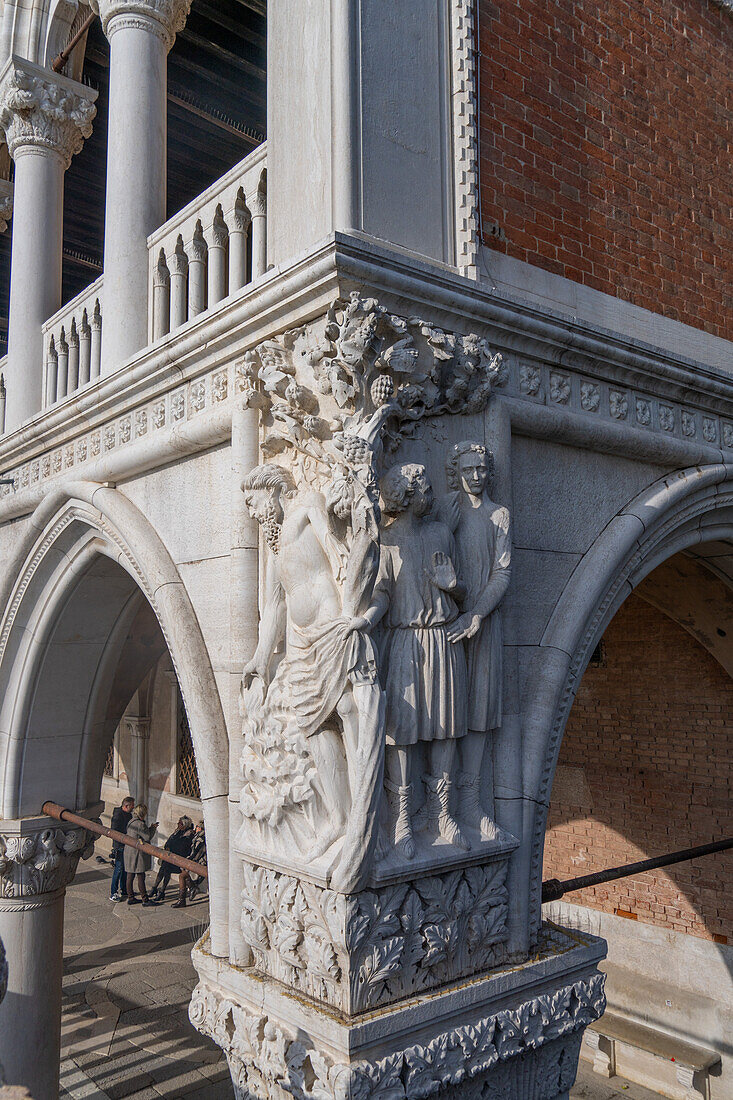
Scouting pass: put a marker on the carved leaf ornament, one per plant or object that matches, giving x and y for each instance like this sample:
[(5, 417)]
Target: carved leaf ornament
[(264, 1058)]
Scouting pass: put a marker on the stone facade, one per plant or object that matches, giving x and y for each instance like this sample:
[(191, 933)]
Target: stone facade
[(379, 513)]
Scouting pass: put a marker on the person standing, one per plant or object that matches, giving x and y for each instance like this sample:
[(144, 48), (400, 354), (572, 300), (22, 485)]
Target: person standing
[(120, 820), (179, 842), (188, 881), (137, 862)]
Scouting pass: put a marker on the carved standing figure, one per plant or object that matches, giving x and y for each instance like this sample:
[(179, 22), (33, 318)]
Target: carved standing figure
[(423, 672), (329, 663), (483, 557)]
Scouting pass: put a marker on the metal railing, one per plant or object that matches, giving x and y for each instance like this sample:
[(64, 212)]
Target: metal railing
[(553, 889), (51, 809)]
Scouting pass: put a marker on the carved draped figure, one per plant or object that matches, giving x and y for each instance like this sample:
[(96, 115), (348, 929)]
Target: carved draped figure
[(423, 674), (483, 563)]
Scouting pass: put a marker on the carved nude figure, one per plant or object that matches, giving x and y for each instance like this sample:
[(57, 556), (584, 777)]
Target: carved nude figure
[(423, 670), (483, 558), (329, 663)]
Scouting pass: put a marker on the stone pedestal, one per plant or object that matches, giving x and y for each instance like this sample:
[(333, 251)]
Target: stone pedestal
[(45, 117), (512, 1035), (140, 32), (38, 859)]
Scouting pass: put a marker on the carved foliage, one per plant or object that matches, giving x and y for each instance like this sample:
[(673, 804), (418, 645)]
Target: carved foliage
[(44, 112), (268, 1063), (373, 948), (41, 862)]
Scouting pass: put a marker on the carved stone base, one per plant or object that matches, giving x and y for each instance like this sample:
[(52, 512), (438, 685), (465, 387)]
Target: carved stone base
[(513, 1035)]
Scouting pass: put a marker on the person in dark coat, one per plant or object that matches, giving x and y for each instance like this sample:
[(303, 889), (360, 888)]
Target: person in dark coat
[(179, 843), (120, 820), (137, 862), (189, 882)]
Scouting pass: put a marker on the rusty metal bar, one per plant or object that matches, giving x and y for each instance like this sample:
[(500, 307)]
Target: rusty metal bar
[(67, 51), (553, 889), (52, 810)]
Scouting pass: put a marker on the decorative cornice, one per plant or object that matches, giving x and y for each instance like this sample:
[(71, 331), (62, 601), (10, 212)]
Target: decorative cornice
[(162, 17), (465, 136), (264, 1057), (42, 110), (39, 860)]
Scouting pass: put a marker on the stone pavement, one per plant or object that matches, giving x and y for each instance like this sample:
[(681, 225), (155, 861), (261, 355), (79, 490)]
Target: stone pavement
[(128, 979)]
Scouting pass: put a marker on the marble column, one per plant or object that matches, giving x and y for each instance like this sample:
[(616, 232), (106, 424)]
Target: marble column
[(139, 730), (45, 117), (38, 859), (140, 33)]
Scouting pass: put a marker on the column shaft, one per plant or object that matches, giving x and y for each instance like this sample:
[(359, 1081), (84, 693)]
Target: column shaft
[(32, 930), (136, 181), (35, 285)]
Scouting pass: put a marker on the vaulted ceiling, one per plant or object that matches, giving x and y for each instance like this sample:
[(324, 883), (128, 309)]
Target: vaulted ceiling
[(216, 115)]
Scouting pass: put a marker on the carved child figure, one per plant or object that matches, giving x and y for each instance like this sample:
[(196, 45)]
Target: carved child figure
[(423, 671), (483, 558)]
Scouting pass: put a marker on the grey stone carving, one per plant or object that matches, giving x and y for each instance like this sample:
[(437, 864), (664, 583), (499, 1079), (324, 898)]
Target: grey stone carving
[(270, 1063), (336, 403), (361, 951), (40, 862)]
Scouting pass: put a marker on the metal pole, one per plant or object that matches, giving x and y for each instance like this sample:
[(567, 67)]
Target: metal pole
[(553, 889), (66, 53), (52, 810)]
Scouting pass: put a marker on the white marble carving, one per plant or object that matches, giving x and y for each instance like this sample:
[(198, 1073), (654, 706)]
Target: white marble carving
[(269, 1062), (41, 862), (376, 947), (45, 111), (336, 403)]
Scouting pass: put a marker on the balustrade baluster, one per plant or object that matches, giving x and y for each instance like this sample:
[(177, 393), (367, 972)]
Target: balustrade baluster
[(52, 366), (73, 368), (85, 350), (258, 206), (161, 298), (197, 272), (96, 350), (241, 221), (179, 290), (218, 258), (62, 373)]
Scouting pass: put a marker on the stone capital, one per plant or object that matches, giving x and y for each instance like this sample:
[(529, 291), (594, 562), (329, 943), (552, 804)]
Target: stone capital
[(40, 109), (137, 727), (164, 18), (39, 856)]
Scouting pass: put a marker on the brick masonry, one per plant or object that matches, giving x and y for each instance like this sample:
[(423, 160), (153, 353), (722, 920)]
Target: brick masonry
[(645, 768), (605, 147)]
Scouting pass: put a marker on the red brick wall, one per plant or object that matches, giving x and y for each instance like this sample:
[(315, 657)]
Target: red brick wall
[(652, 731), (606, 130)]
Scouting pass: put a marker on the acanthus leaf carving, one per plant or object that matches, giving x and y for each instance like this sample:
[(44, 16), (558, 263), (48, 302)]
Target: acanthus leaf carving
[(42, 861), (40, 109)]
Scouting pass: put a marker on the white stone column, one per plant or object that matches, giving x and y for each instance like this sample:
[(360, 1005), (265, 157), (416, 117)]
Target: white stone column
[(140, 33), (38, 859), (45, 117), (139, 730)]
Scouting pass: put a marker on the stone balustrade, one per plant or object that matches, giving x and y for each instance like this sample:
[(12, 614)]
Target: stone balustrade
[(72, 341), (211, 249)]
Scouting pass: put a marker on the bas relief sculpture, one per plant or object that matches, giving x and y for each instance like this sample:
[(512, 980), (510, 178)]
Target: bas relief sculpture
[(369, 704)]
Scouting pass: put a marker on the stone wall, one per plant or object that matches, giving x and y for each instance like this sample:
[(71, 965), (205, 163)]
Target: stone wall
[(644, 769), (601, 139)]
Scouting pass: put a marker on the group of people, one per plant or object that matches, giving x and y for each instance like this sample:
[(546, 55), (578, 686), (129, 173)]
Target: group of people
[(131, 865)]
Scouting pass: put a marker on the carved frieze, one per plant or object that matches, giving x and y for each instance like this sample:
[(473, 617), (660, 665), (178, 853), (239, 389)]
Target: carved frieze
[(40, 109), (373, 948), (269, 1062), (40, 861)]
